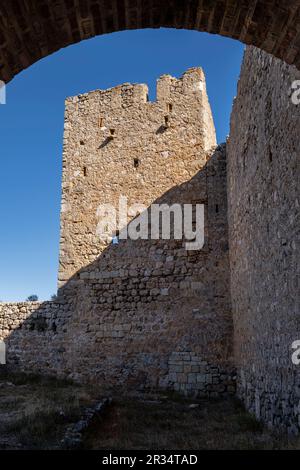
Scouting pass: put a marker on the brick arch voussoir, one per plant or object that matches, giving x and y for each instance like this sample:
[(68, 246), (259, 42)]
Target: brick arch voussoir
[(33, 29)]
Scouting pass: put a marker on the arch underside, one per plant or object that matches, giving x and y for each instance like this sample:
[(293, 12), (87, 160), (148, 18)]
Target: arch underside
[(33, 29)]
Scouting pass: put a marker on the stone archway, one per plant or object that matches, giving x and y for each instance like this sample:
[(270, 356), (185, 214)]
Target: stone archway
[(33, 29)]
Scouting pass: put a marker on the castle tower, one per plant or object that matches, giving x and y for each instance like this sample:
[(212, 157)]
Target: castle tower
[(148, 311), (117, 143)]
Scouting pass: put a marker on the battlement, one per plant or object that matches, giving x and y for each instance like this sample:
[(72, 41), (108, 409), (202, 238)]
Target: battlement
[(125, 94), (191, 84), (125, 110)]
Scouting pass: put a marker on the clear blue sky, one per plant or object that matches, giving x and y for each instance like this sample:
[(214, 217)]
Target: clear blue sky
[(31, 133)]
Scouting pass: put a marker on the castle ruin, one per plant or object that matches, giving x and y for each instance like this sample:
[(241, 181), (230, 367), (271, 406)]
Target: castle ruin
[(150, 313)]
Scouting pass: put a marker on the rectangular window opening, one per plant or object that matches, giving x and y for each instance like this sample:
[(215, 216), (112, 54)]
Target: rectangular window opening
[(115, 239)]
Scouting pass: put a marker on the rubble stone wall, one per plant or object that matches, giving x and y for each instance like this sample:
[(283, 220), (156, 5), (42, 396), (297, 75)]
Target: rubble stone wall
[(33, 333), (264, 235)]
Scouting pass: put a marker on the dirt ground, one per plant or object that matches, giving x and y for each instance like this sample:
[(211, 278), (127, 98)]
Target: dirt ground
[(172, 423), (35, 412)]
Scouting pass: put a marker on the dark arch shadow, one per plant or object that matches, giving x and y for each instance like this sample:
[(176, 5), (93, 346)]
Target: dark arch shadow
[(32, 30)]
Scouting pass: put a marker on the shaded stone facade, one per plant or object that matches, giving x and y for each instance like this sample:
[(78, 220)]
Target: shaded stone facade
[(264, 234), (34, 29)]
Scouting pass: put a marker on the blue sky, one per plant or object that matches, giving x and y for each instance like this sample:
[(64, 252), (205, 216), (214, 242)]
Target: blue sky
[(31, 133)]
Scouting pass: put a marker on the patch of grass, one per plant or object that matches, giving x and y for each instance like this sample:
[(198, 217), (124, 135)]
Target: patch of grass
[(248, 422), (9, 403), (218, 424), (35, 411), (39, 427)]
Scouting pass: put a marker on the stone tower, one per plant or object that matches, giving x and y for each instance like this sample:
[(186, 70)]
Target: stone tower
[(146, 312), (118, 143)]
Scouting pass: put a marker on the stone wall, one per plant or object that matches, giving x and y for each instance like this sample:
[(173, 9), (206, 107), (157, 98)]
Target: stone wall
[(264, 199), (140, 313), (143, 303), (33, 335)]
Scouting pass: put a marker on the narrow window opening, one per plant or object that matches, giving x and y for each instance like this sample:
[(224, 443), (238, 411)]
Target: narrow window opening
[(84, 171), (3, 350), (270, 156), (170, 107), (217, 208), (101, 122), (115, 239), (167, 121), (136, 162), (112, 134)]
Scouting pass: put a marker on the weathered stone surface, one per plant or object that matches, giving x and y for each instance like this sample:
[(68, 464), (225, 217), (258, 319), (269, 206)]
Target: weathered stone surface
[(99, 170), (264, 201)]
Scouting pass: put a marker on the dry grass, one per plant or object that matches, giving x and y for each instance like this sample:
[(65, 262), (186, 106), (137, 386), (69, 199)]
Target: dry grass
[(35, 411), (174, 425)]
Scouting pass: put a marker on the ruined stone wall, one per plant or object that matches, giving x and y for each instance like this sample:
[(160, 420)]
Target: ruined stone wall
[(33, 334), (264, 199), (141, 313)]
